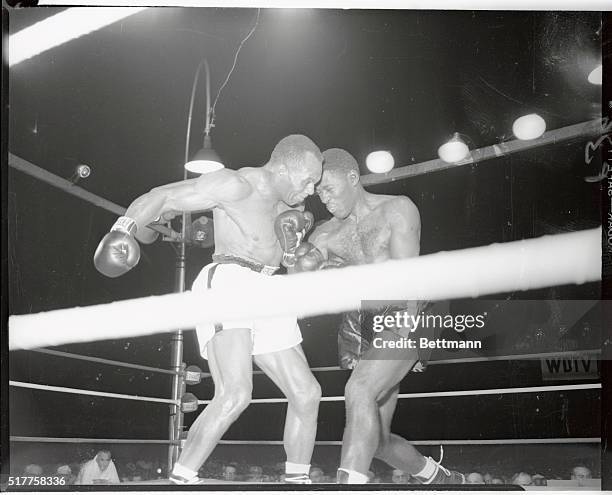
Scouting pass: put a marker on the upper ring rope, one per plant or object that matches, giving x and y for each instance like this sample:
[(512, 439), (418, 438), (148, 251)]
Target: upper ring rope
[(477, 271)]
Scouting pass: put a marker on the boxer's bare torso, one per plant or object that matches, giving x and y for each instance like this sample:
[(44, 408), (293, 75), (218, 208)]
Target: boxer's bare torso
[(385, 227), (244, 206)]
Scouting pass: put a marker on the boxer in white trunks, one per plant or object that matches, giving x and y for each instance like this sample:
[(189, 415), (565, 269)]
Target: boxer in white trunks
[(255, 228)]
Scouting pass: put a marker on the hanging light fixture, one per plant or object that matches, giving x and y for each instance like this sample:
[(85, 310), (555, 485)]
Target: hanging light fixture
[(596, 75), (206, 159), (529, 126), (454, 150), (380, 162)]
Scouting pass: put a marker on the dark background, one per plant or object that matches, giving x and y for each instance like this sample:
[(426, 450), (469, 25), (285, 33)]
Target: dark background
[(363, 80)]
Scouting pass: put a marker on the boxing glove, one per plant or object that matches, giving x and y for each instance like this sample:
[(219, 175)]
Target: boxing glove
[(118, 251), (290, 228), (308, 258)]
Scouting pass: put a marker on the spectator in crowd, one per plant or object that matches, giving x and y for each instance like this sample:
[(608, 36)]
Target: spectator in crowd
[(497, 481), (98, 471), (33, 470), (316, 474), (254, 474), (581, 473), (523, 479), (474, 479), (65, 472), (538, 480), (487, 477), (399, 477), (230, 472)]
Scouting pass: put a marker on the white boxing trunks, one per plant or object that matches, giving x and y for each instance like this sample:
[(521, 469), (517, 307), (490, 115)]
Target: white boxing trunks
[(269, 334)]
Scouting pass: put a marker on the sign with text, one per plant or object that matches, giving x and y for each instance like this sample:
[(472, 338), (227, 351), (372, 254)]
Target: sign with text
[(578, 367)]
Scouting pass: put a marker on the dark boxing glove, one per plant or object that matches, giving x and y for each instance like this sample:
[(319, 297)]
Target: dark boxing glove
[(308, 258), (290, 228), (118, 251)]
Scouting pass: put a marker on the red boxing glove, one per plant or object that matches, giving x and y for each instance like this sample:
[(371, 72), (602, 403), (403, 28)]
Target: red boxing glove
[(290, 228), (308, 258), (118, 251)]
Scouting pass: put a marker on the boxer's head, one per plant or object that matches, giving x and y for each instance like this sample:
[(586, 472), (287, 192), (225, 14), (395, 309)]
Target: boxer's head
[(103, 459), (296, 164), (339, 188)]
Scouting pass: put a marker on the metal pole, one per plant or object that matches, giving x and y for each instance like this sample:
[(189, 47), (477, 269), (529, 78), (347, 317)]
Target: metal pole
[(178, 383)]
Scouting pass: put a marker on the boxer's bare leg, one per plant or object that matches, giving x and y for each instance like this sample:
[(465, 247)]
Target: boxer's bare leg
[(289, 370), (393, 449), (230, 363), (373, 377)]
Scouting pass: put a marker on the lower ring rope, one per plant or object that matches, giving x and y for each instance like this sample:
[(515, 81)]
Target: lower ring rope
[(476, 271), (453, 393), (78, 391)]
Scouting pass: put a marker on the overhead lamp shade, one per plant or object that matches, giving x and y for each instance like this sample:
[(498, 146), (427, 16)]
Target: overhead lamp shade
[(596, 75), (528, 127), (380, 162), (454, 150), (205, 161)]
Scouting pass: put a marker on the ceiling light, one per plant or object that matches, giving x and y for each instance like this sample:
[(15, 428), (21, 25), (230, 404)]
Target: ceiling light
[(60, 28), (454, 150), (530, 126), (380, 162), (595, 75)]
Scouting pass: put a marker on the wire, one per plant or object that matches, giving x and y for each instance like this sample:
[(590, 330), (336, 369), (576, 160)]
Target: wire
[(212, 110)]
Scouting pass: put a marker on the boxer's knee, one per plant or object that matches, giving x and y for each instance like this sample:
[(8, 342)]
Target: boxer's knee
[(235, 400), (358, 391), (307, 396)]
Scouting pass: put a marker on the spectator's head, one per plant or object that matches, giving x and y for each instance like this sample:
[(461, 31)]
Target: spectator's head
[(255, 473), (539, 480), (522, 479), (487, 477), (475, 479), (230, 472), (581, 473), (103, 459), (33, 470), (497, 481), (399, 477), (316, 474), (65, 472)]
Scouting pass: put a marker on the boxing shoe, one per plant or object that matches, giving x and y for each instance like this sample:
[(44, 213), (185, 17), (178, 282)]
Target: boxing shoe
[(180, 480), (297, 479)]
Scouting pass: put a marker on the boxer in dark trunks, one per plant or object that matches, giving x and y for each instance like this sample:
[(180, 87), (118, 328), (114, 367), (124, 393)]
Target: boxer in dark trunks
[(370, 228)]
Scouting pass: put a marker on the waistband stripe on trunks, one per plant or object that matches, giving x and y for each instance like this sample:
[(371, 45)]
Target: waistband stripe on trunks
[(230, 259)]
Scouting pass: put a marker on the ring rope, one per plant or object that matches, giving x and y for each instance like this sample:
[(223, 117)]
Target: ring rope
[(478, 359), (450, 393), (501, 441), (94, 359), (96, 393), (476, 271), (339, 398), (15, 438)]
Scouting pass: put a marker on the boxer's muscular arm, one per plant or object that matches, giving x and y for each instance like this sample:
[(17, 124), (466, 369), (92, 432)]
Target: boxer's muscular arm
[(320, 238), (203, 193), (405, 221)]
